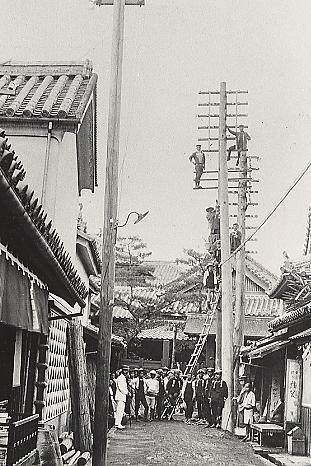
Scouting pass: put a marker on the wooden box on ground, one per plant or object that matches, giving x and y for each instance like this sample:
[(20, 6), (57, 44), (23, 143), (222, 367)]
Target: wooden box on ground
[(296, 442)]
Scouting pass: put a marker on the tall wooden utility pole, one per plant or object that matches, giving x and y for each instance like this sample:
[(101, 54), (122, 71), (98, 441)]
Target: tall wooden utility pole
[(238, 334), (109, 235), (226, 272)]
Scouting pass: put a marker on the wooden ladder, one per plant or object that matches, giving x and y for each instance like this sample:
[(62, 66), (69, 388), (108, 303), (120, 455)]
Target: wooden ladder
[(203, 335)]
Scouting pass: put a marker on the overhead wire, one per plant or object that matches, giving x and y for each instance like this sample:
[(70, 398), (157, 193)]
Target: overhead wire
[(304, 171)]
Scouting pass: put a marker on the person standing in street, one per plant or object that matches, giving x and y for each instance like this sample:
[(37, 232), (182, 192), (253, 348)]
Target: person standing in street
[(160, 397), (140, 394), (188, 396), (173, 389), (247, 402), (152, 387), (120, 396), (218, 396), (198, 160), (199, 394)]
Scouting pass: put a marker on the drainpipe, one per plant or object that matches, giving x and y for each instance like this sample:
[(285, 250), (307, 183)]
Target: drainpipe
[(46, 164)]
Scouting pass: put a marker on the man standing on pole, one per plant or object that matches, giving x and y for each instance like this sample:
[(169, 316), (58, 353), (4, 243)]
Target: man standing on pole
[(198, 160), (241, 138)]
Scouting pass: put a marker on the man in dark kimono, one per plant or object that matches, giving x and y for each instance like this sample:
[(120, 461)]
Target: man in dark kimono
[(218, 396)]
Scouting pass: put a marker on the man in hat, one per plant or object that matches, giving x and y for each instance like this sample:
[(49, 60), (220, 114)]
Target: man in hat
[(140, 394), (120, 396), (241, 139), (210, 281), (199, 393), (188, 395), (160, 397), (198, 160), (165, 371), (218, 396), (235, 237), (152, 387)]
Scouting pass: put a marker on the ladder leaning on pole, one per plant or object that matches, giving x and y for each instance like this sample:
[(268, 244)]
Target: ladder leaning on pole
[(203, 335)]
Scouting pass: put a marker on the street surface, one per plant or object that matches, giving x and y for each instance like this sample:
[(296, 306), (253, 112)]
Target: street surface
[(176, 443)]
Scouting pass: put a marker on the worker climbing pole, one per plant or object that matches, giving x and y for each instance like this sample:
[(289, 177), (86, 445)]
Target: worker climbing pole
[(227, 247)]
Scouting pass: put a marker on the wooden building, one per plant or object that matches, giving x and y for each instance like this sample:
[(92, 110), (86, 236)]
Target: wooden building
[(34, 263), (49, 113), (280, 364)]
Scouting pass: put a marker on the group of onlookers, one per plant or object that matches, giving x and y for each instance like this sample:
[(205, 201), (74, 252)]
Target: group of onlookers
[(159, 393)]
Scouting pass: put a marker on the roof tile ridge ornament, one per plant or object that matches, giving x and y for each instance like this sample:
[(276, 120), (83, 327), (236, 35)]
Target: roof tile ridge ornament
[(69, 97), (30, 107), (14, 172), (17, 102), (12, 86), (57, 89)]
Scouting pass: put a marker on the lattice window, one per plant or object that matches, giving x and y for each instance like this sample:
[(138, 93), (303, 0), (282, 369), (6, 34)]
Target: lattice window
[(57, 390)]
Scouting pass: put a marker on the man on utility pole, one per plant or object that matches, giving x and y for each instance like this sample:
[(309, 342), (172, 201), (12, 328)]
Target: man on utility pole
[(109, 235), (198, 160), (241, 138)]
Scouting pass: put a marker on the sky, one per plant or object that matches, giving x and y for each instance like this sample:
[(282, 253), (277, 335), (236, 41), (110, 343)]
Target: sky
[(172, 50)]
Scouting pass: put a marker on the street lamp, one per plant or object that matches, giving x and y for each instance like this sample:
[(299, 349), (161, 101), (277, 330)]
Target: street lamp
[(140, 217)]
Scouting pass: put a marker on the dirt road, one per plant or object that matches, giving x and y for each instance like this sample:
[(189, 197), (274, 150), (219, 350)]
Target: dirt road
[(176, 443)]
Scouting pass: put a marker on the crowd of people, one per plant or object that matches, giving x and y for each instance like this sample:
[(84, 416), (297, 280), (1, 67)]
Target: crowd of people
[(157, 395)]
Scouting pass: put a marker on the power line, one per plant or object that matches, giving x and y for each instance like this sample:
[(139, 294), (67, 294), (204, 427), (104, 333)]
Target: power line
[(272, 212)]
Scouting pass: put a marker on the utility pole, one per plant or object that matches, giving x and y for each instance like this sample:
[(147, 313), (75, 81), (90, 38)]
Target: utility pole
[(226, 272), (238, 334), (109, 235)]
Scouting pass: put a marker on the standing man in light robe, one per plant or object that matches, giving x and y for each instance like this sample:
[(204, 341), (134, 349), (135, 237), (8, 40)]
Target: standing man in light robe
[(120, 397)]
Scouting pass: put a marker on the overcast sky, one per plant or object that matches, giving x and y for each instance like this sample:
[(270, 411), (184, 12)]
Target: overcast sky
[(173, 49)]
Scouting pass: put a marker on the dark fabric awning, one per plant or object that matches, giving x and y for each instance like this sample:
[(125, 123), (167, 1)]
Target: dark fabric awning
[(23, 303)]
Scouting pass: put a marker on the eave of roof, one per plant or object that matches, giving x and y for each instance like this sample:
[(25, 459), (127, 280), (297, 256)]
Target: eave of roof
[(253, 326), (87, 249), (163, 332), (93, 331), (291, 318)]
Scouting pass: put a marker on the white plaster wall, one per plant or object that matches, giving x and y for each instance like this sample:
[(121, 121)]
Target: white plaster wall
[(66, 194), (61, 200), (31, 152)]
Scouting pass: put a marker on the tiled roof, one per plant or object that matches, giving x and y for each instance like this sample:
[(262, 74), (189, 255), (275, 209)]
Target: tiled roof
[(121, 313), (263, 306), (254, 326), (164, 272), (165, 332), (43, 91), (261, 272), (301, 335), (291, 317), (30, 221)]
